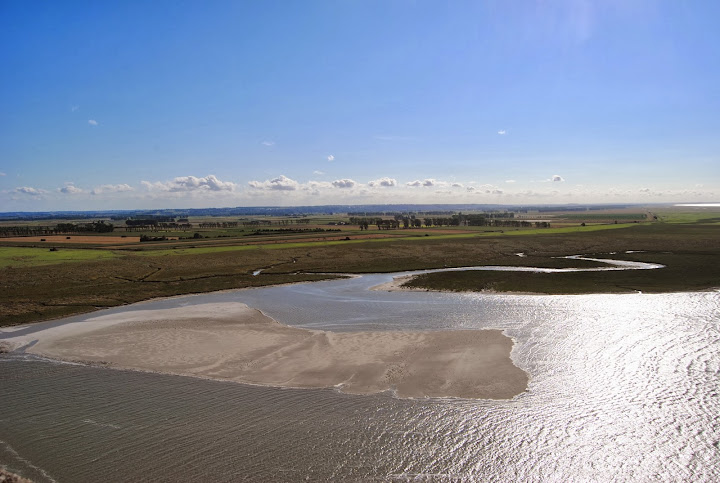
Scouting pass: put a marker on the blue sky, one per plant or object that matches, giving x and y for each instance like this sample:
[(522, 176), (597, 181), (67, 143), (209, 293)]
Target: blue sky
[(115, 105)]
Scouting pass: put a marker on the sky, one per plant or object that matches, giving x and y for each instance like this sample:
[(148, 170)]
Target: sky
[(190, 104)]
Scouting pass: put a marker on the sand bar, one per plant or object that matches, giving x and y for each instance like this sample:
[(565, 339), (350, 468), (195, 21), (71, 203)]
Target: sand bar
[(230, 341)]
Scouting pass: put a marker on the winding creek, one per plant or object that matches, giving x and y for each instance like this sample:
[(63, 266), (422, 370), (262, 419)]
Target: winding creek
[(623, 387)]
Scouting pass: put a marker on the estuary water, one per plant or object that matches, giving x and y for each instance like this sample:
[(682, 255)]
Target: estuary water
[(623, 387)]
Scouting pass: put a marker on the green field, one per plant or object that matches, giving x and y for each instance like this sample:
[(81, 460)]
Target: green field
[(605, 216), (29, 257), (685, 218), (37, 284)]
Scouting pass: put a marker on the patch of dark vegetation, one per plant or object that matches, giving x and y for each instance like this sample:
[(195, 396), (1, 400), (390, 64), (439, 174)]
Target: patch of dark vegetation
[(146, 238), (682, 272), (689, 251)]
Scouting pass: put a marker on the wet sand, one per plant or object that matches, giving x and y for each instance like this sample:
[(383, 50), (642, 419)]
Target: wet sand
[(230, 341), (397, 285)]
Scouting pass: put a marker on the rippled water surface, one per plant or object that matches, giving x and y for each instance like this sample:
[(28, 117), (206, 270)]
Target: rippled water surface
[(623, 387)]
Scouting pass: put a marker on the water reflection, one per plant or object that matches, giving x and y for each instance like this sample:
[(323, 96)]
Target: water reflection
[(623, 387)]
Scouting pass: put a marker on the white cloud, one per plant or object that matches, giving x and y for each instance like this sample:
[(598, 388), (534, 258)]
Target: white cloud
[(281, 183), (314, 185), (383, 182), (428, 182), (331, 158), (27, 190), (111, 188), (457, 185), (644, 190), (74, 108), (191, 183), (490, 189), (2, 174), (470, 189), (502, 132), (510, 181), (70, 189), (319, 173), (343, 183), (92, 122), (557, 177), (268, 143)]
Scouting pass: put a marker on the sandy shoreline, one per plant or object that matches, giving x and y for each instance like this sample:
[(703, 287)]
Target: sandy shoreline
[(396, 285), (230, 341)]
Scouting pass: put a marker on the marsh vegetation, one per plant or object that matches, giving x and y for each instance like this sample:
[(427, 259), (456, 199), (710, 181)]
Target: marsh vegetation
[(39, 284)]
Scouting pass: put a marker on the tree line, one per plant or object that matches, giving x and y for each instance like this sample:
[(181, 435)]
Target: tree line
[(411, 221), (61, 228)]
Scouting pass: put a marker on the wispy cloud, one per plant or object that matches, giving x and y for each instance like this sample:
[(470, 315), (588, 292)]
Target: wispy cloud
[(315, 188), (383, 182), (281, 183), (557, 178), (70, 189), (313, 185), (343, 183), (319, 173), (2, 174), (92, 122), (74, 108), (268, 143), (490, 189), (111, 188), (190, 183), (510, 181), (30, 191), (428, 183), (502, 132), (331, 158)]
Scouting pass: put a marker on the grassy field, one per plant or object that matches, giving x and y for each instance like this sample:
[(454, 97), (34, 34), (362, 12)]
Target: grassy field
[(37, 284), (30, 257), (683, 272), (691, 254), (605, 216)]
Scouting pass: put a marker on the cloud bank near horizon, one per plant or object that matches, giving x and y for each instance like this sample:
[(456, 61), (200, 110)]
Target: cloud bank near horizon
[(210, 190)]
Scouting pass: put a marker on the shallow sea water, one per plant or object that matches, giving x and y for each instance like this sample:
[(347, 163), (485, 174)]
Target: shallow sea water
[(623, 387)]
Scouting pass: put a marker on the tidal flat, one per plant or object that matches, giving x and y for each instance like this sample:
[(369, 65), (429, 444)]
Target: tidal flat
[(620, 384)]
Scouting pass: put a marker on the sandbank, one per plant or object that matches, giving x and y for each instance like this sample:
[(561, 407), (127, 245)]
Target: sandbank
[(231, 341), (396, 285)]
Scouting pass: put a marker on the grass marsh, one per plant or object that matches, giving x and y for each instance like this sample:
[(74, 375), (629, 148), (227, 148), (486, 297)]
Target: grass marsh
[(36, 284)]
